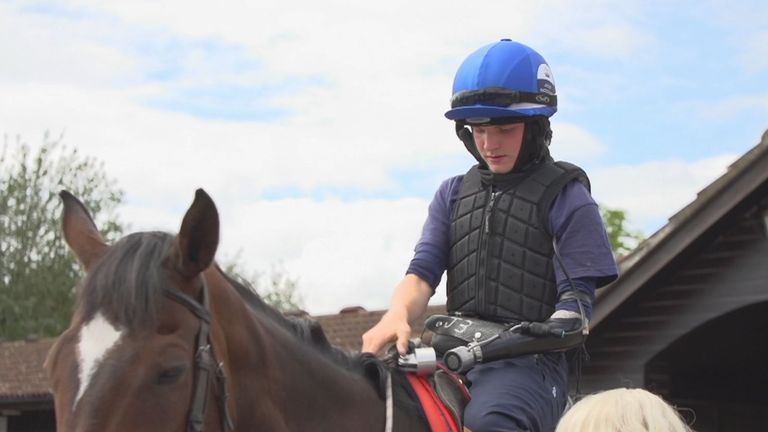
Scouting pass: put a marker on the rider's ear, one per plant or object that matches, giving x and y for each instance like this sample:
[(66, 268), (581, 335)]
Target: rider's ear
[(80, 232), (198, 237)]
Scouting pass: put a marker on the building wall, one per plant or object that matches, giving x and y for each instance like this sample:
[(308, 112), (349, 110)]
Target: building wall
[(701, 316), (29, 421)]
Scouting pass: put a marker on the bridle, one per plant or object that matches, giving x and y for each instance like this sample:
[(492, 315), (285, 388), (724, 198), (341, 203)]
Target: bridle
[(207, 368)]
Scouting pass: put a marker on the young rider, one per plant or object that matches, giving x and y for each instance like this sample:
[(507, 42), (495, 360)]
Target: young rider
[(497, 230)]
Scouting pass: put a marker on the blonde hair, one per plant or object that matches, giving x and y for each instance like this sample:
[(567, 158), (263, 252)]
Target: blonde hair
[(622, 410)]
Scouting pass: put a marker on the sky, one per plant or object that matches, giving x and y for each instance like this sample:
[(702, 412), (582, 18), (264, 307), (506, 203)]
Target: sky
[(317, 126)]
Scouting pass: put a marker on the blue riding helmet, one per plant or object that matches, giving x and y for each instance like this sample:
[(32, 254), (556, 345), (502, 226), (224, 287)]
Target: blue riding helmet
[(505, 79)]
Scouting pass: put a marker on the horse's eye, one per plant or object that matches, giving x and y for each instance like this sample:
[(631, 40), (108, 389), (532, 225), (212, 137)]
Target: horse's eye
[(166, 329), (170, 375)]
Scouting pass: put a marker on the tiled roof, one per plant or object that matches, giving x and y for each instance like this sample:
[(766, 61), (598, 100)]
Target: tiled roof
[(21, 369), (22, 375), (346, 329)]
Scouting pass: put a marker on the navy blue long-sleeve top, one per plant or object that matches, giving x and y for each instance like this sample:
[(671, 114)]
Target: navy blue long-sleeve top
[(574, 220)]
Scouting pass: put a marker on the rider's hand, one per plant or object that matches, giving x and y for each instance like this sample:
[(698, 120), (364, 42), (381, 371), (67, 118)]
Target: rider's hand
[(393, 326)]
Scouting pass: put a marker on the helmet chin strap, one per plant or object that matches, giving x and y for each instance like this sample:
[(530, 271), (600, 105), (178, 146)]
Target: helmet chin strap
[(536, 139), (465, 135)]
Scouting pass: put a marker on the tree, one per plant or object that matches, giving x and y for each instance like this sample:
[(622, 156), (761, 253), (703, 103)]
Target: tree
[(622, 239), (278, 288), (282, 291), (37, 272)]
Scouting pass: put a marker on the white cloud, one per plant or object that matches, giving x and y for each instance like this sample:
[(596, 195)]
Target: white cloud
[(49, 49), (651, 192), (372, 81), (611, 40), (572, 142), (604, 29), (342, 253), (154, 154)]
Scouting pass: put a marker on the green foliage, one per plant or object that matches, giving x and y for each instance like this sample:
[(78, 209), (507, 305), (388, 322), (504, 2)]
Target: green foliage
[(277, 288), (37, 272), (622, 239), (282, 291)]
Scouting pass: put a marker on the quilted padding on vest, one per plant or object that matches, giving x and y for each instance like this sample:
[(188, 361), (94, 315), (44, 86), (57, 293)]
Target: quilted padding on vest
[(500, 261)]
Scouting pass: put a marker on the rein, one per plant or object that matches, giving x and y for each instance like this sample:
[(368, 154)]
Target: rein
[(206, 365), (389, 411)]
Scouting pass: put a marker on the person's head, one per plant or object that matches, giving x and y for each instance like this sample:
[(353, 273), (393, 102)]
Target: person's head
[(505, 93), (622, 410)]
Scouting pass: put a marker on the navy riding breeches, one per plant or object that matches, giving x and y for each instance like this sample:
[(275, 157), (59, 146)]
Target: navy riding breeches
[(526, 393)]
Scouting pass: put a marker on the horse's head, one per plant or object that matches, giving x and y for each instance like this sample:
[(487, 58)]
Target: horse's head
[(158, 326), (128, 360)]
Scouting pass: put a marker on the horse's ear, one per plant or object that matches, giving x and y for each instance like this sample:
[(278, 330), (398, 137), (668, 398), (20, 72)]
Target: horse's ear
[(80, 231), (198, 236)]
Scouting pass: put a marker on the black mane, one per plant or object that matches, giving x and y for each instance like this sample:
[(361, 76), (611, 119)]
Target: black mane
[(127, 283), (127, 286), (305, 329), (312, 335)]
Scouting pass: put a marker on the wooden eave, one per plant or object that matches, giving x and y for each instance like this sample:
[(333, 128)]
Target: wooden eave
[(742, 178)]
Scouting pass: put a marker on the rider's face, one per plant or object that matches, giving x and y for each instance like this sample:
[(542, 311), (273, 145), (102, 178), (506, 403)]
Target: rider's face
[(499, 145)]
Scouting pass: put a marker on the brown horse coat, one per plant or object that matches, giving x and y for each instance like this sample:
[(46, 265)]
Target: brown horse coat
[(126, 363)]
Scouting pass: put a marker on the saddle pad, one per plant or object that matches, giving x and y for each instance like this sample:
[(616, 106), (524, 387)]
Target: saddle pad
[(439, 417), (452, 392)]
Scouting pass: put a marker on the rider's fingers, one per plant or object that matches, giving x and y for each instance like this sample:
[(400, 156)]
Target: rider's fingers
[(371, 347), (368, 344), (373, 342), (403, 337)]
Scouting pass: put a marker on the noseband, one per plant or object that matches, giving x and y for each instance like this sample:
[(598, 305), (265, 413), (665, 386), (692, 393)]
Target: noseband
[(206, 365)]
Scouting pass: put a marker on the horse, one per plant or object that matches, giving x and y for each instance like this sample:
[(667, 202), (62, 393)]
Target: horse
[(162, 339)]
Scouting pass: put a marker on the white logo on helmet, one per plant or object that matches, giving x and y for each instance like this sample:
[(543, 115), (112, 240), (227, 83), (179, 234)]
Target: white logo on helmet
[(545, 79)]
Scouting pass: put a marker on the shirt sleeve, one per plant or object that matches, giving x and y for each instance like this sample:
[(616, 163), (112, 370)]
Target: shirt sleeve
[(430, 257), (582, 243), (583, 285)]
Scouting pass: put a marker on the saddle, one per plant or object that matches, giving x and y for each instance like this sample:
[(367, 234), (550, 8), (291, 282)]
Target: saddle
[(443, 397)]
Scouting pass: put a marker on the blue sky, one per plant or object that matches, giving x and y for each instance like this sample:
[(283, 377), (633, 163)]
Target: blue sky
[(678, 96), (318, 127)]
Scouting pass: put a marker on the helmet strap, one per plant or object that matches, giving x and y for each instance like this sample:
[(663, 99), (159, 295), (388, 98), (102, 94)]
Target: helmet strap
[(534, 149), (535, 146), (465, 135)]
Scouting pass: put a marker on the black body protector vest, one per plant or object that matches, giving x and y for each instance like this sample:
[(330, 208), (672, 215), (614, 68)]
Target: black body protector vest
[(500, 262)]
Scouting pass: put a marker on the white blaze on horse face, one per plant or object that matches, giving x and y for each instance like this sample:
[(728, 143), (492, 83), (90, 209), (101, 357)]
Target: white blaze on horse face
[(97, 338)]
